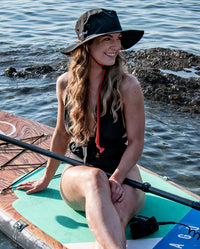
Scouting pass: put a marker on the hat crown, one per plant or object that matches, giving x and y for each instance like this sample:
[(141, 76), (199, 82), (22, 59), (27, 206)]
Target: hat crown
[(97, 21)]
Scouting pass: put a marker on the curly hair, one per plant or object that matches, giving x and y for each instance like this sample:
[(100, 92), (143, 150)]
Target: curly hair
[(77, 94)]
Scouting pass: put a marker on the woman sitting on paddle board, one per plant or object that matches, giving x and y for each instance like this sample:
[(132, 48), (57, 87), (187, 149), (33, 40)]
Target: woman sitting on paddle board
[(101, 119)]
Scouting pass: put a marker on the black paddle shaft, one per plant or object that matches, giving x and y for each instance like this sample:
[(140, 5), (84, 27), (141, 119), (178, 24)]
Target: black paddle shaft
[(146, 187)]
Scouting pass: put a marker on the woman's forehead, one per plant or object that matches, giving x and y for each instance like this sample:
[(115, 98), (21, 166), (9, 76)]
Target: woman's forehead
[(112, 34)]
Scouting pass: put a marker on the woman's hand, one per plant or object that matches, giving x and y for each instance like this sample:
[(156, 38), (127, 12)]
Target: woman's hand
[(117, 191), (34, 186)]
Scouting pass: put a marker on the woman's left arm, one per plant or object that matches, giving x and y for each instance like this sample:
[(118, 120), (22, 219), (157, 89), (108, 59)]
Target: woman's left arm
[(134, 115)]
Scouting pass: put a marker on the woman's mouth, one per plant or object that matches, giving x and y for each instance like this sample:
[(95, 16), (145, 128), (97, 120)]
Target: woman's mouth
[(111, 54)]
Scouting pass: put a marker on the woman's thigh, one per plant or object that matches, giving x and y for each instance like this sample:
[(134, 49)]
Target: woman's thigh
[(77, 181)]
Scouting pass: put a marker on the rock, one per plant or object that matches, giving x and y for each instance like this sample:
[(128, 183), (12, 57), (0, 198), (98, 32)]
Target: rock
[(40, 69), (180, 93), (162, 58), (170, 89), (10, 71), (30, 72)]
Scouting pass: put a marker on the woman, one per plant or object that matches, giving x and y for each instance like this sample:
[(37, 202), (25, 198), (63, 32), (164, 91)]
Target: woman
[(101, 119)]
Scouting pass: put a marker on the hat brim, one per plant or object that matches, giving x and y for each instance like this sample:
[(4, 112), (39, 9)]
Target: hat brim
[(129, 38)]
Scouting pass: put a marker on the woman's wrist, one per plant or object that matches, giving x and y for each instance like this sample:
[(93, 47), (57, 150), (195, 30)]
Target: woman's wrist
[(116, 177)]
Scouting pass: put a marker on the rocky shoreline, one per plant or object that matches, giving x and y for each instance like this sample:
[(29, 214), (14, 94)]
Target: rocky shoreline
[(167, 76)]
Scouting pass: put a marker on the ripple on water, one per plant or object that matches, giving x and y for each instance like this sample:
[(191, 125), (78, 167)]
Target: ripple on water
[(172, 145)]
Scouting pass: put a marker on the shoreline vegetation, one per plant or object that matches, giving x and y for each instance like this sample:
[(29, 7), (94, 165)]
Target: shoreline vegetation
[(170, 77)]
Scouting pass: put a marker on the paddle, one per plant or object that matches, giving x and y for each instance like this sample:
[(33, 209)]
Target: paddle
[(146, 187)]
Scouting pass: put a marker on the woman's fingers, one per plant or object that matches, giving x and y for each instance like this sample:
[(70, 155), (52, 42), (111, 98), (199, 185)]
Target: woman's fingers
[(32, 186), (29, 186), (25, 186), (117, 191), (121, 197)]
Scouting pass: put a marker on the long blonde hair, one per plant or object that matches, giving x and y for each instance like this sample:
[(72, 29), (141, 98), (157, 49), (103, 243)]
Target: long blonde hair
[(77, 94)]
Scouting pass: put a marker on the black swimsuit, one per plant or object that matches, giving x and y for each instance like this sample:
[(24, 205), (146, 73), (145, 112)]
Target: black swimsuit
[(112, 136)]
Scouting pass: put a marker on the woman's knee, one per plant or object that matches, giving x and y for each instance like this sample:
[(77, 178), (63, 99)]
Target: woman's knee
[(83, 179), (97, 180)]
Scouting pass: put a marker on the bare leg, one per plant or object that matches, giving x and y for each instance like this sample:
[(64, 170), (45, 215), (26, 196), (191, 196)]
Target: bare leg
[(102, 217), (131, 205), (89, 187)]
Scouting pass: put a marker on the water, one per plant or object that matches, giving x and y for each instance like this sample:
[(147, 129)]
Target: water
[(32, 33)]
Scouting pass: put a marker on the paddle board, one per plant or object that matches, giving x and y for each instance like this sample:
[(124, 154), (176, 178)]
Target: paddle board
[(43, 220)]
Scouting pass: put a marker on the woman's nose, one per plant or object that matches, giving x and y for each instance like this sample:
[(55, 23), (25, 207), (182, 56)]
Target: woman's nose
[(116, 44)]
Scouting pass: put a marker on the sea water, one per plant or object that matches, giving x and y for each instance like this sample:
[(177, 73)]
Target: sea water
[(33, 31)]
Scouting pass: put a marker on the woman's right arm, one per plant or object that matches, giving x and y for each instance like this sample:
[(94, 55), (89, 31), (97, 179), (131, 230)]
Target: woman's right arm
[(59, 142)]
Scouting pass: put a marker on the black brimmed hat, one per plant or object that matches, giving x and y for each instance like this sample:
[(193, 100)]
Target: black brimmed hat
[(98, 22)]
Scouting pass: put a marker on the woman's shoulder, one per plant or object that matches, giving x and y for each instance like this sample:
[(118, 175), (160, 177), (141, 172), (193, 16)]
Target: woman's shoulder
[(129, 83), (131, 92), (63, 80), (61, 86)]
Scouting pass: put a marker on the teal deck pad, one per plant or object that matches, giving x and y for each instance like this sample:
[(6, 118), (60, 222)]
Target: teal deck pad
[(50, 213)]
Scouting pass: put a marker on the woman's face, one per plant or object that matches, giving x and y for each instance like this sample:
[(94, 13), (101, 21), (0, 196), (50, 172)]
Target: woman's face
[(105, 49)]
